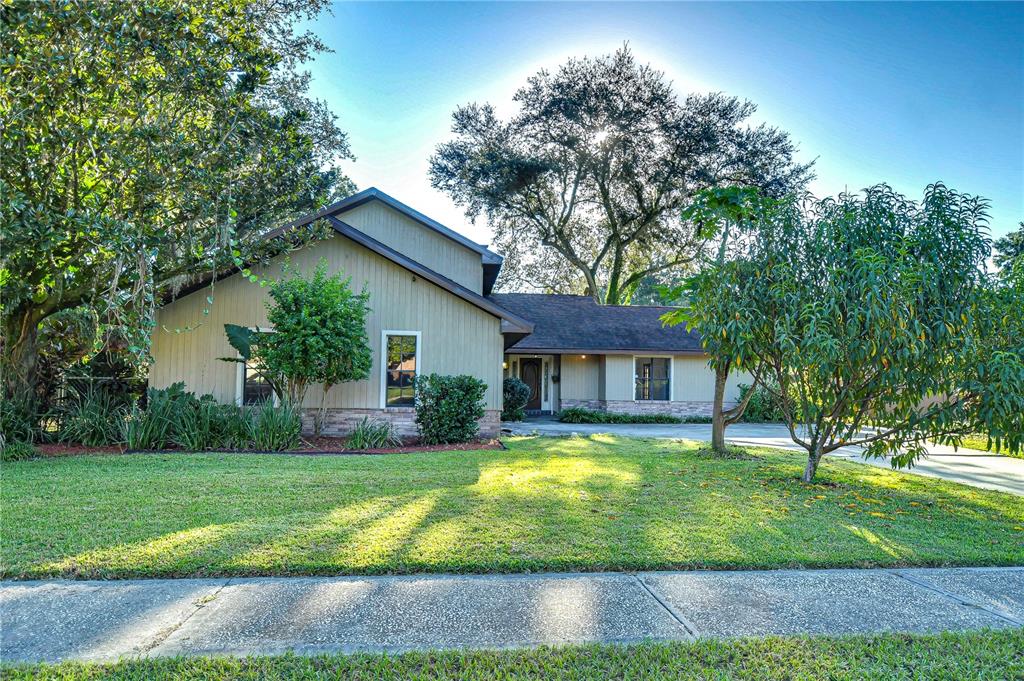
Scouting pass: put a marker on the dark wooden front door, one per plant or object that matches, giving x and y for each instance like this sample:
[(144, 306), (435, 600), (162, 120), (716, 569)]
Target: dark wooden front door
[(529, 372)]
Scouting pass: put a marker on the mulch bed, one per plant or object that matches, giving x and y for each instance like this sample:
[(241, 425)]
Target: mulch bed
[(319, 446), (61, 449)]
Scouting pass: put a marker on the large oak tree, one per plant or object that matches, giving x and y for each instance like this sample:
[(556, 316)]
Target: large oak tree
[(142, 145), (1009, 250), (584, 186)]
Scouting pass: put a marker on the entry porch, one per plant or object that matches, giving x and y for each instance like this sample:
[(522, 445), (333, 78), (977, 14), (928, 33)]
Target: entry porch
[(679, 384)]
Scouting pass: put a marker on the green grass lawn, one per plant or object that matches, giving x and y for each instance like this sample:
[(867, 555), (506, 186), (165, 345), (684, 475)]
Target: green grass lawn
[(956, 657), (980, 442), (598, 503)]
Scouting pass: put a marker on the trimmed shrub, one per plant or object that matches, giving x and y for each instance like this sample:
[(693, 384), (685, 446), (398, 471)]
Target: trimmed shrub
[(17, 451), (448, 408), (515, 394), (582, 415), (92, 419), (373, 434), (275, 428)]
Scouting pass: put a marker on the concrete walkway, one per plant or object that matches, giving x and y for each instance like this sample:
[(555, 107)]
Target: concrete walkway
[(61, 620), (966, 466)]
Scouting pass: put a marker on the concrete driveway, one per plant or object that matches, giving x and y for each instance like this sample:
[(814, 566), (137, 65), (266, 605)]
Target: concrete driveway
[(967, 466)]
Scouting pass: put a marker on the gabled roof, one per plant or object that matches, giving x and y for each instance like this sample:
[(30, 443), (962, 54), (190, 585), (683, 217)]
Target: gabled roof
[(512, 325), (511, 322), (490, 260), (576, 324)]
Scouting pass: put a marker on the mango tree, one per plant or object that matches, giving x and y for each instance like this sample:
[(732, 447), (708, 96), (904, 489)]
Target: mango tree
[(872, 320), (716, 300)]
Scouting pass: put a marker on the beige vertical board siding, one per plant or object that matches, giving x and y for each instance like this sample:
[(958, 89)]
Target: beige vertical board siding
[(579, 377), (456, 337), (422, 244), (619, 377), (694, 381)]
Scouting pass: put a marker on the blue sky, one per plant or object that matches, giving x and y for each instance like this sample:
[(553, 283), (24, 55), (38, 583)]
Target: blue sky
[(902, 93)]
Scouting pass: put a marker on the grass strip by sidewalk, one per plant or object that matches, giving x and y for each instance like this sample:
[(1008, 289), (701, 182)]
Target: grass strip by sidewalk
[(980, 442), (956, 657), (546, 504)]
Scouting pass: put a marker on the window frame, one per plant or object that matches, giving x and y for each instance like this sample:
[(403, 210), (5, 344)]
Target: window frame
[(384, 363), (671, 375), (240, 376)]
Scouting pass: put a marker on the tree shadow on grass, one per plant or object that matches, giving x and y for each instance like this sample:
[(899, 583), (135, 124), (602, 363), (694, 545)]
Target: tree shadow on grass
[(561, 504)]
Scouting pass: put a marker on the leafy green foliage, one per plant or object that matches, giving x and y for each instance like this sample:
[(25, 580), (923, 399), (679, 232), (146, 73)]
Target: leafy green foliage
[(583, 415), (174, 417), (373, 434), (145, 146), (585, 185), (141, 431), (709, 300), (275, 428), (319, 332), (204, 424), (92, 419), (1009, 251), (241, 338), (19, 419), (515, 394), (164, 409), (448, 408), (762, 405), (17, 450), (871, 320)]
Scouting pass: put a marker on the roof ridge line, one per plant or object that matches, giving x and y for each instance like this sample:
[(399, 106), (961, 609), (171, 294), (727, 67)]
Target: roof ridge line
[(434, 277)]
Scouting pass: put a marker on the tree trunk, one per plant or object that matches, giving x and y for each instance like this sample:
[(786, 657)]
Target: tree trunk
[(813, 459), (613, 294), (718, 410), (20, 352), (321, 413)]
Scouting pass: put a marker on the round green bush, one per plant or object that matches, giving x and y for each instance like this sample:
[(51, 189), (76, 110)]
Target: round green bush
[(448, 408), (515, 395)]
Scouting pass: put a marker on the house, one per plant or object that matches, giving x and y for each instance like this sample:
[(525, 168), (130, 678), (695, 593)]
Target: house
[(433, 311), (617, 358)]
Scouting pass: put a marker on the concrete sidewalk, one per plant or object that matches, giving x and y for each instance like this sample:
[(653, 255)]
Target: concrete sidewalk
[(60, 620), (966, 466)]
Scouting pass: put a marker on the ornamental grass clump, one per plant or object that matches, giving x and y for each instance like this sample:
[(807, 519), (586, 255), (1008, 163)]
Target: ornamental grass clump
[(373, 434), (275, 428), (92, 419)]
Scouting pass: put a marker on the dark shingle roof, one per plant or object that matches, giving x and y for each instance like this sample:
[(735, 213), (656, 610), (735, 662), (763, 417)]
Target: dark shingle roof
[(564, 323)]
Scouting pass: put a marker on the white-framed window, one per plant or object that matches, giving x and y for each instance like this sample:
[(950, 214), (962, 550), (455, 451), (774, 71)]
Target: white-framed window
[(251, 384), (652, 378), (400, 365)]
